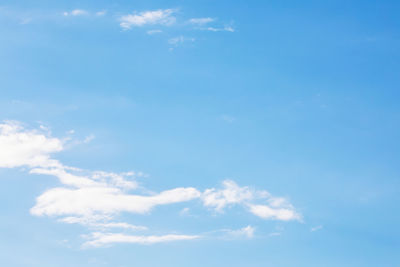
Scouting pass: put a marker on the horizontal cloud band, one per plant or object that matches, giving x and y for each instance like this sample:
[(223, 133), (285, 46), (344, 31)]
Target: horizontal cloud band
[(94, 198)]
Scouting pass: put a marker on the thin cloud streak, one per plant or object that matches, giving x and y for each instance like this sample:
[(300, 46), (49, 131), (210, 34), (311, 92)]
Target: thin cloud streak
[(201, 21), (76, 12), (104, 239)]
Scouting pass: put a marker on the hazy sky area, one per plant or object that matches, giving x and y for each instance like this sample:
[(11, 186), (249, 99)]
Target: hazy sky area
[(199, 133)]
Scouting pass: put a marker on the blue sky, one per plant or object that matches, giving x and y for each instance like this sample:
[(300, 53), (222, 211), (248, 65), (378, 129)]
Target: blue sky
[(207, 133)]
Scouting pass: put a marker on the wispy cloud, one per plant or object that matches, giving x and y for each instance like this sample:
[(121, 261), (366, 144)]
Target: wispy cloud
[(179, 40), (275, 234), (226, 29), (82, 12), (229, 195), (170, 21), (247, 232), (99, 239), (151, 32), (155, 17), (316, 228), (89, 138), (166, 17), (184, 211), (232, 194), (203, 24), (201, 21), (95, 198), (104, 226), (88, 201), (101, 13), (76, 12)]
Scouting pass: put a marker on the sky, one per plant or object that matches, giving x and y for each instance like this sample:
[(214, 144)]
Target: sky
[(199, 133)]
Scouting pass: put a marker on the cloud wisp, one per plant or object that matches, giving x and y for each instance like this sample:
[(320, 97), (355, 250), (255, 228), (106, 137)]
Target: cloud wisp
[(316, 228), (247, 232), (99, 239), (180, 40), (172, 22), (95, 198), (224, 29), (156, 17), (76, 12), (259, 203), (151, 32), (106, 201), (168, 17), (201, 21)]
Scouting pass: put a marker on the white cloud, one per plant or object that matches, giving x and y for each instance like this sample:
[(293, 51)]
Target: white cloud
[(229, 29), (20, 147), (120, 225), (79, 178), (275, 234), (151, 32), (316, 228), (176, 40), (103, 239), (201, 21), (247, 232), (184, 211), (91, 201), (226, 29), (101, 13), (89, 138), (32, 148), (94, 198), (179, 40), (231, 194), (115, 179), (66, 177), (93, 193), (82, 12), (160, 16), (267, 212), (92, 223), (76, 12)]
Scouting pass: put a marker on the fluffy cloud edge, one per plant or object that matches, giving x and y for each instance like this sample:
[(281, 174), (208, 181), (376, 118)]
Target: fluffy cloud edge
[(94, 198), (154, 17)]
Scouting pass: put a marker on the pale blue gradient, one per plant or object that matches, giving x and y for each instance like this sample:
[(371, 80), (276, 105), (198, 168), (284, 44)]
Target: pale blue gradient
[(301, 100)]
